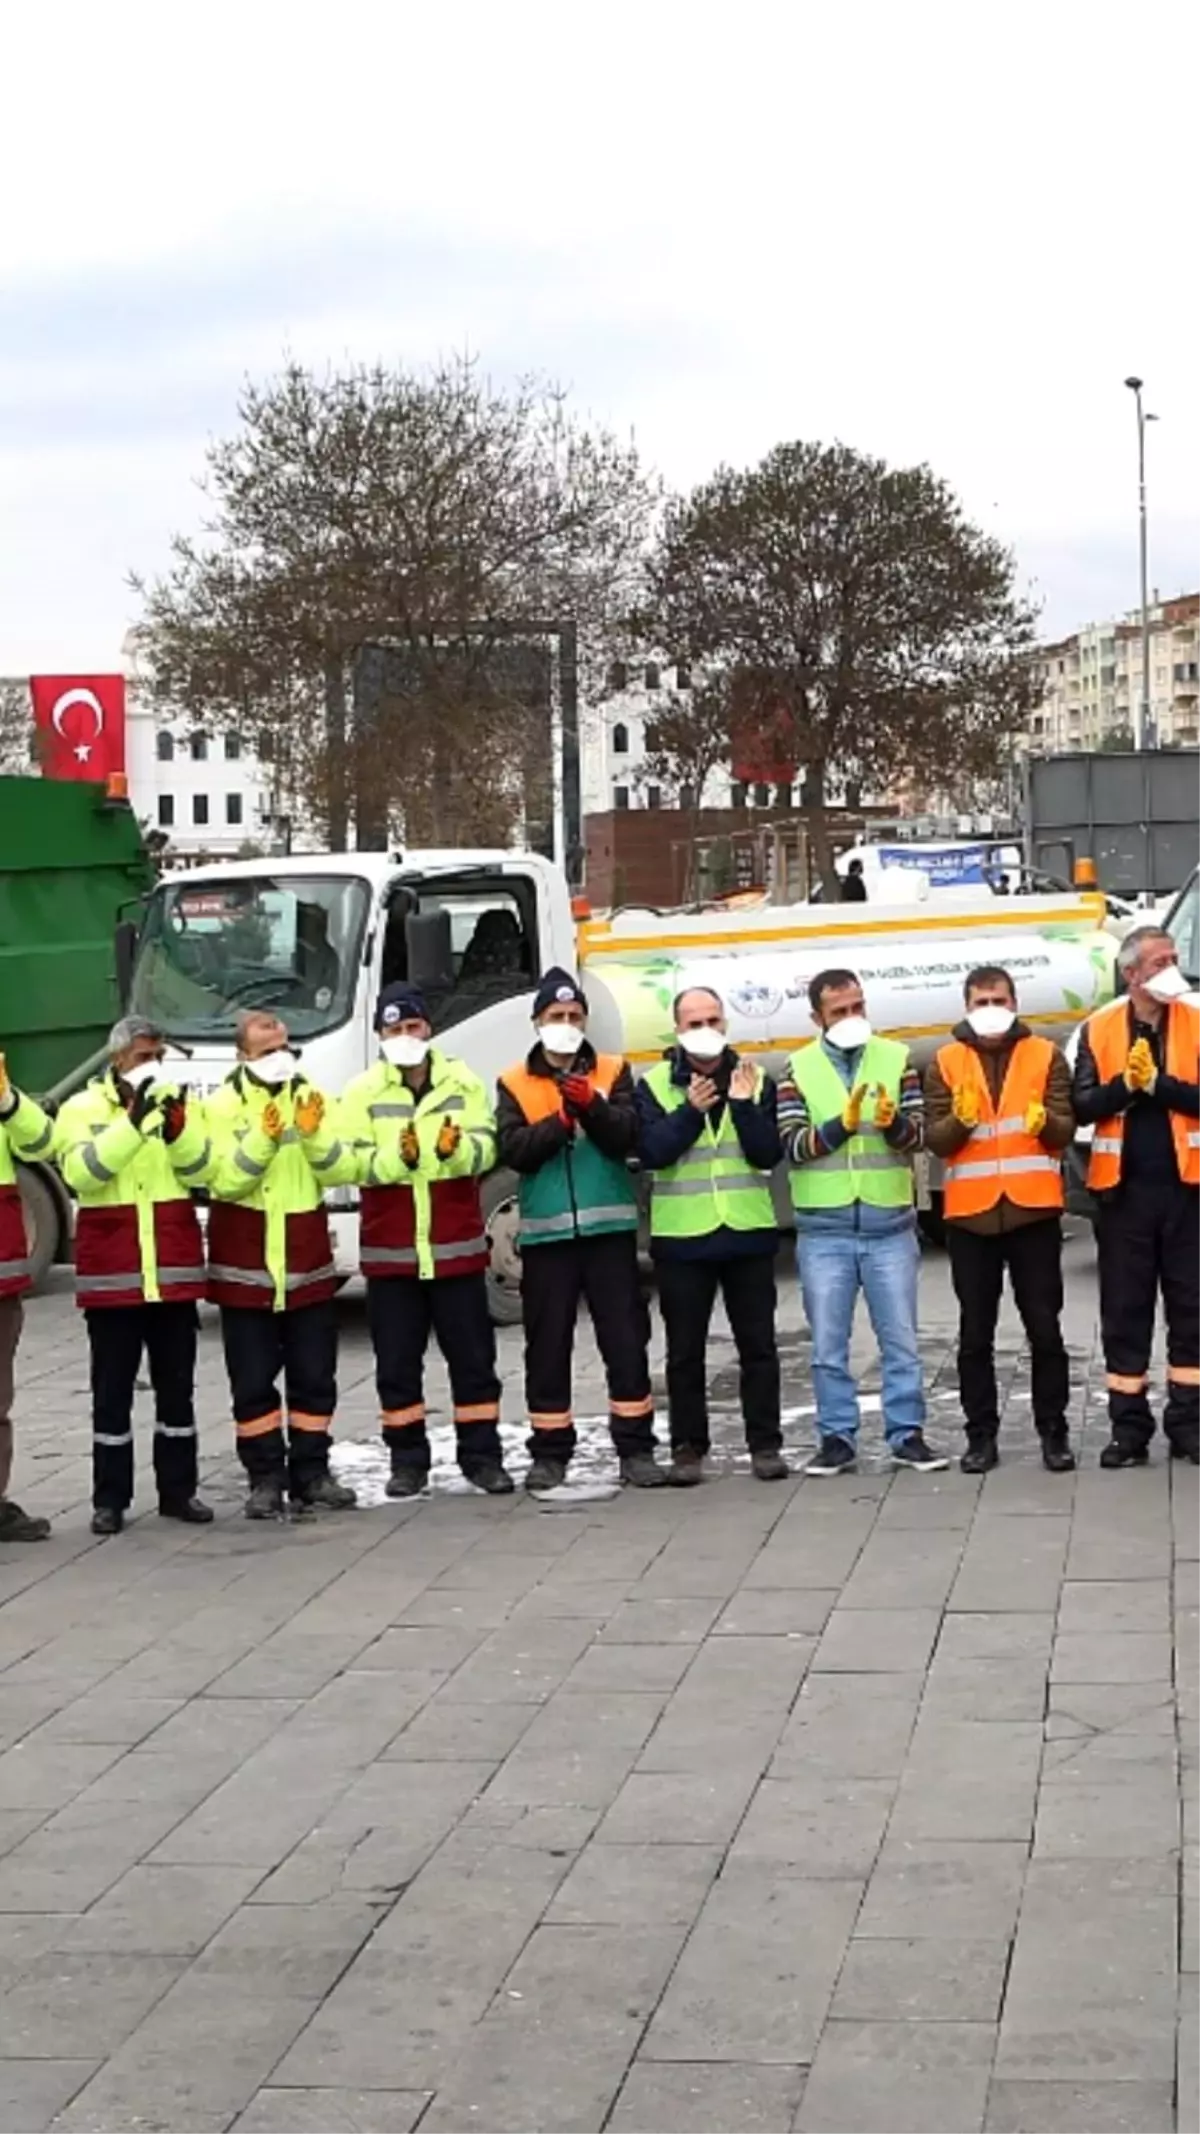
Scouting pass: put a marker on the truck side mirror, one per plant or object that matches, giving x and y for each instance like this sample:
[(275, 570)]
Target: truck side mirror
[(430, 951), (125, 941)]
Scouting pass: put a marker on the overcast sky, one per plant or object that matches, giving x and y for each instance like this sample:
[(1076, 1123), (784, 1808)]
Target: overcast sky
[(936, 232)]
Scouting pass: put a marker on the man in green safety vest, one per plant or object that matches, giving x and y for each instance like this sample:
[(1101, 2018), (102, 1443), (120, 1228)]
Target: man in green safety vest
[(850, 1112), (708, 1135)]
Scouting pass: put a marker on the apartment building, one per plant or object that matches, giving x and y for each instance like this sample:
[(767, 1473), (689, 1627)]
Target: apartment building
[(1091, 683)]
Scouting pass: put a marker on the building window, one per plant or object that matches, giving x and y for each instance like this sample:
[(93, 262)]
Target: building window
[(200, 749), (652, 678), (683, 679), (233, 748), (200, 808), (762, 796), (618, 677), (783, 796), (654, 796), (165, 747), (620, 797), (166, 810), (620, 740), (233, 808), (737, 794)]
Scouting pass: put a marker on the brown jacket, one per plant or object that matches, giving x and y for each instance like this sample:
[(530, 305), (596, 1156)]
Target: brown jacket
[(944, 1134)]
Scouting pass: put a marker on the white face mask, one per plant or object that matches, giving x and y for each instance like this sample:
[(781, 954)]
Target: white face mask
[(991, 1020), (851, 1034), (274, 1068), (561, 1039), (137, 1077), (405, 1051), (703, 1043), (1167, 985)]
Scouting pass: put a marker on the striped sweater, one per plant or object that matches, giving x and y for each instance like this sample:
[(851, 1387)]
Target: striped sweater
[(805, 1138)]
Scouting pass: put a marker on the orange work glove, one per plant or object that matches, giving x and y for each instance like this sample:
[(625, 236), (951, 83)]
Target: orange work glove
[(309, 1111), (449, 1136), (272, 1122), (410, 1147)]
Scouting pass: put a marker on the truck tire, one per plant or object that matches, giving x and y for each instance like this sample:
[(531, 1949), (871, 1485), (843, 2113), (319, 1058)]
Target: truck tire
[(43, 1222), (504, 1266)]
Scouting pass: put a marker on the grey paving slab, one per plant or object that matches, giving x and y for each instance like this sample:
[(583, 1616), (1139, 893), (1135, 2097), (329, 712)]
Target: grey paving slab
[(692, 1737), (634, 1667), (890, 1573), (1116, 1656), (275, 2111), (944, 1888), (1108, 1605), (855, 1726), (707, 2097), (1187, 2081), (746, 1674), (99, 1717), (453, 1732), (1092, 1987), (863, 1641), (80, 2004), (922, 1981), (33, 2092), (668, 1619), (636, 1885), (192, 2065), (1136, 1820), (1012, 1565), (875, 2077), (816, 1826), (677, 1808), (161, 1911), (994, 1690), (770, 1611), (1080, 2108), (756, 1977), (1016, 1636)]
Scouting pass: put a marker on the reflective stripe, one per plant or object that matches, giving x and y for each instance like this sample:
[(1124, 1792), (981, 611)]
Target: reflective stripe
[(482, 1144), (247, 1165), (1193, 1140), (548, 1225), (591, 1218), (403, 1418), (1121, 1382), (388, 1255), (840, 1159), (189, 1170), (181, 1274), (1106, 1145), (174, 1429), (105, 1437), (632, 1407), (251, 1277), (287, 1139), (92, 1163), (1183, 1374), (389, 1111), (720, 1182), (1006, 1166), (87, 1284), (327, 1273), (326, 1163), (484, 1411), (458, 1103), (550, 1422), (261, 1425), (464, 1249), (316, 1425), (12, 1270), (34, 1148)]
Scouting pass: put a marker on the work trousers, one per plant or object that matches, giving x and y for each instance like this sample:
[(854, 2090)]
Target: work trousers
[(1148, 1242), (1032, 1255), (11, 1318), (687, 1291), (118, 1335), (402, 1312), (554, 1278), (302, 1346)]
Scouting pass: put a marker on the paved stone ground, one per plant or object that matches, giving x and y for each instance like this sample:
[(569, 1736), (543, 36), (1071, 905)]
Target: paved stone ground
[(844, 1805)]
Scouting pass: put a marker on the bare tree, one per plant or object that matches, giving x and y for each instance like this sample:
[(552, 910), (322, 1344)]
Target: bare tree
[(687, 738), (18, 741), (432, 516), (861, 622)]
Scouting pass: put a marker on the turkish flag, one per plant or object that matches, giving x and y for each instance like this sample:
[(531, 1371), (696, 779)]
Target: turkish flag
[(80, 719)]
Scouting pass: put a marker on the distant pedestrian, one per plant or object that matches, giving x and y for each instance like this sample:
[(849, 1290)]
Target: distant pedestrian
[(851, 1117), (1136, 1081), (708, 1133), (854, 884), (131, 1146), (998, 1113), (24, 1131), (567, 1125)]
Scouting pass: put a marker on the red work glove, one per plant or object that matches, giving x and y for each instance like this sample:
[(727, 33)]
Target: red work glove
[(174, 1113), (577, 1093)]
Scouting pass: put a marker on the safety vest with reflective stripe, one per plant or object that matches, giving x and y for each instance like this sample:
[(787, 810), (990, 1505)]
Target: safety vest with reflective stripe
[(1002, 1160), (712, 1186), (269, 1247), (582, 1192), (426, 1222), (864, 1168), (1108, 1035), (137, 1238), (27, 1133)]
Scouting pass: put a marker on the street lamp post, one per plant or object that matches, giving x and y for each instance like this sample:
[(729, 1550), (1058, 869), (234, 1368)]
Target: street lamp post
[(1141, 725)]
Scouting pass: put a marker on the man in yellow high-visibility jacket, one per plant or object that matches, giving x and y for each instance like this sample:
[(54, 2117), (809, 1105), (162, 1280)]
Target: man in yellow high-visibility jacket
[(24, 1131)]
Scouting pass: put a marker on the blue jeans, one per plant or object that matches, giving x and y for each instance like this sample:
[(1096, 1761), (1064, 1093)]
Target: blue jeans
[(832, 1271)]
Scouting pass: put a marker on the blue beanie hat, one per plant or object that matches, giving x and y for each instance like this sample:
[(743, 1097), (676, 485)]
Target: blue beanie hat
[(399, 1003)]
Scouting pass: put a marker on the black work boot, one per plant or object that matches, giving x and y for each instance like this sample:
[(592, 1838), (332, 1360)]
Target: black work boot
[(324, 1493), (545, 1474), (107, 1519), (1057, 1455), (980, 1456), (1121, 1452), (265, 1498), (492, 1477), (406, 1481), (1182, 1448), (640, 1470), (769, 1466), (686, 1470), (190, 1511), (16, 1525)]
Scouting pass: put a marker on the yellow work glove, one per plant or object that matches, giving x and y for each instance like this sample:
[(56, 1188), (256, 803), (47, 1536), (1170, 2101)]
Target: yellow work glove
[(449, 1136), (309, 1111), (5, 1084), (1140, 1070), (965, 1105), (852, 1109), (1035, 1116), (885, 1109), (410, 1147), (272, 1122)]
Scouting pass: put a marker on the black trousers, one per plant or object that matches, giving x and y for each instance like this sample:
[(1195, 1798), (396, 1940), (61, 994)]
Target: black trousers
[(554, 1278), (402, 1313), (687, 1291), (117, 1336), (1149, 1243), (302, 1346), (1033, 1258)]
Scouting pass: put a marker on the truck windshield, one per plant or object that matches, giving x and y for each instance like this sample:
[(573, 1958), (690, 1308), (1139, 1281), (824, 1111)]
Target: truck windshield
[(288, 942), (1183, 925)]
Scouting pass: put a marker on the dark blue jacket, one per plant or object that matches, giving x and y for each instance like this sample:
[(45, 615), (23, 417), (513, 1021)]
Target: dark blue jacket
[(663, 1137)]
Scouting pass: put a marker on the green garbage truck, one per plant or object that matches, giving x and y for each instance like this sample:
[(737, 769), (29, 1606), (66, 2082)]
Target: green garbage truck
[(73, 869)]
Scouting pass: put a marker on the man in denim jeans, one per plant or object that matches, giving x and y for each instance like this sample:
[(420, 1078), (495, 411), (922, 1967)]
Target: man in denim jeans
[(850, 1114)]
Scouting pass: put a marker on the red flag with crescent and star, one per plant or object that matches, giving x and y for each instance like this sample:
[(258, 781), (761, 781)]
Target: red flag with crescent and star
[(80, 720)]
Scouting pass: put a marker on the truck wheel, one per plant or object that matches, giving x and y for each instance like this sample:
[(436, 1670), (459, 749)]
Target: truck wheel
[(504, 1266), (42, 1223)]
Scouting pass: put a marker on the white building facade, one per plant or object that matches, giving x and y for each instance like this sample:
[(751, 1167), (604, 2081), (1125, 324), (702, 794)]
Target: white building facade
[(1091, 683), (206, 793)]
